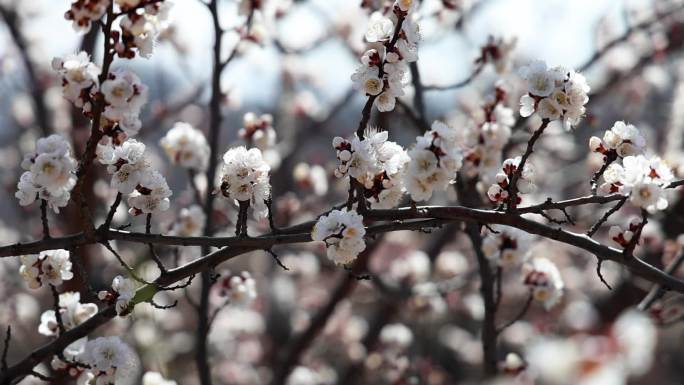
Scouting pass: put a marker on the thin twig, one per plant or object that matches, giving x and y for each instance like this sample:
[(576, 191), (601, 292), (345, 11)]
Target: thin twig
[(153, 252), (56, 307), (658, 290), (599, 263), (473, 75), (112, 211), (518, 317), (606, 216), (44, 218), (513, 183), (276, 258), (5, 348), (123, 263), (610, 157)]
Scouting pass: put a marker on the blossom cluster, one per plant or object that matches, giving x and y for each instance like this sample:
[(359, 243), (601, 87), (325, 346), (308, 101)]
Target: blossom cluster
[(123, 291), (483, 139), (124, 95), (84, 12), (383, 71), (507, 247), (245, 177), (141, 26), (151, 195), (186, 146), (49, 173), (147, 189), (623, 236), (622, 139), (498, 191), (376, 163), (190, 222), (435, 160), (258, 131), (645, 179), (343, 232), (72, 313), (79, 79), (498, 52), (49, 267), (544, 280), (109, 359), (239, 289), (625, 350), (391, 361), (554, 93)]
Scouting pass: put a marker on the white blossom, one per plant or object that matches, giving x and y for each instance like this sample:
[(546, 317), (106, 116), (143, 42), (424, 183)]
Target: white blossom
[(312, 177), (343, 232), (555, 93), (624, 236), (151, 195), (544, 280), (72, 312), (435, 160), (155, 378), (239, 289), (624, 138), (49, 267), (79, 78), (109, 358), (50, 173), (301, 375), (380, 28), (644, 179), (483, 141), (140, 30), (376, 163), (126, 163), (190, 222), (186, 146), (396, 336), (124, 291), (383, 73), (258, 130), (84, 12), (509, 247), (245, 177), (125, 95), (385, 101), (498, 191)]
